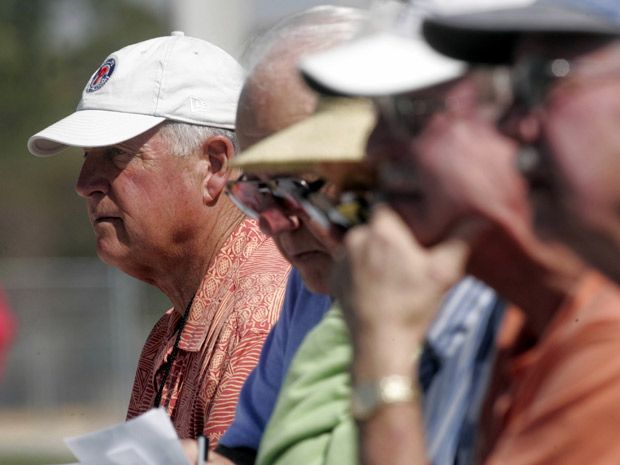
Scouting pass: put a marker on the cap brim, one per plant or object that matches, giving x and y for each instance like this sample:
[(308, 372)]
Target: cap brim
[(90, 128), (378, 64), (336, 133), (489, 37)]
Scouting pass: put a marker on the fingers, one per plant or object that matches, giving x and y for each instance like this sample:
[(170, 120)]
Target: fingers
[(190, 447), (217, 459), (385, 247), (387, 279)]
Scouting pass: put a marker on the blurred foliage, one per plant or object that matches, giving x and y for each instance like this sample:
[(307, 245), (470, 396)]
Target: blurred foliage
[(41, 79), (34, 459)]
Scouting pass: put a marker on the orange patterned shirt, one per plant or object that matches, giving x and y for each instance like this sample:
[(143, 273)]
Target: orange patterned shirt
[(235, 306)]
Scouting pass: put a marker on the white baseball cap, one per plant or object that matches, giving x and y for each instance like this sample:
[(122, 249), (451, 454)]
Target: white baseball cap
[(175, 78), (389, 59)]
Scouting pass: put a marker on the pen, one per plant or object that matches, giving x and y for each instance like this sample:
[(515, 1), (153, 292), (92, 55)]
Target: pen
[(203, 450)]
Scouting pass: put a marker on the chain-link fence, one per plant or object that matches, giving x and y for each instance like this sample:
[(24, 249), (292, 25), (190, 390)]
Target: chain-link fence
[(81, 326)]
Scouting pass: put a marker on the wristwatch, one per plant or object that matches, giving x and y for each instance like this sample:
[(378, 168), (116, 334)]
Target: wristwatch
[(369, 397)]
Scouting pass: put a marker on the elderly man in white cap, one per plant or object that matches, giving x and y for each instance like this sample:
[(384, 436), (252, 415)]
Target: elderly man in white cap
[(156, 126)]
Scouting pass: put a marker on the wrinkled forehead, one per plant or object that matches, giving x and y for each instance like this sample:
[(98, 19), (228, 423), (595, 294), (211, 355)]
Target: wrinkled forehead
[(569, 46)]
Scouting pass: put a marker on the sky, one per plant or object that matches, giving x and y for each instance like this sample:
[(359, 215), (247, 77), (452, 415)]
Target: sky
[(227, 23)]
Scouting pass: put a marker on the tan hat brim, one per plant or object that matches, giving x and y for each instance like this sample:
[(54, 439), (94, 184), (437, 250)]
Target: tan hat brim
[(336, 133)]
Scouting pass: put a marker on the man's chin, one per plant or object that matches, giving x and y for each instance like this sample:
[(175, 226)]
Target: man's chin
[(106, 258), (316, 275), (108, 253), (317, 286), (596, 247)]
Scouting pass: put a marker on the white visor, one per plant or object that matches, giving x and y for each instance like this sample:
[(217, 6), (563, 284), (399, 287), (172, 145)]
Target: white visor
[(379, 64)]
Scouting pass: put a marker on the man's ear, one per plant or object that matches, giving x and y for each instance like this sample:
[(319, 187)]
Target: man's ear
[(218, 151)]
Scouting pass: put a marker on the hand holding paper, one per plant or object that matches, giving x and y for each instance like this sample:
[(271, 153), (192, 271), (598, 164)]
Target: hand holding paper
[(149, 439)]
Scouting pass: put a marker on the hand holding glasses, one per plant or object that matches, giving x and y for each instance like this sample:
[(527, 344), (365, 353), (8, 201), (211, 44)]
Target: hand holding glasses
[(289, 195)]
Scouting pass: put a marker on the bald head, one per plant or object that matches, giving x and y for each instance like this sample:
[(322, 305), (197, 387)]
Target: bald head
[(274, 96)]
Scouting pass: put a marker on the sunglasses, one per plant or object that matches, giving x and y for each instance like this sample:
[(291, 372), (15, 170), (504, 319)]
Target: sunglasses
[(290, 195), (352, 207), (407, 114), (533, 77), (255, 196)]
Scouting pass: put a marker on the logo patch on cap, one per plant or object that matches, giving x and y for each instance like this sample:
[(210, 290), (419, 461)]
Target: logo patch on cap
[(102, 75)]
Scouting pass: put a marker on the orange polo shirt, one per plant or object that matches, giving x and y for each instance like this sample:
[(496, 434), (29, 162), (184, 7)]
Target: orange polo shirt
[(235, 306), (561, 401)]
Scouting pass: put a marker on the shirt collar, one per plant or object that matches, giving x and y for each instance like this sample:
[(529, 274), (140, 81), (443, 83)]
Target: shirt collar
[(211, 303), (461, 310)]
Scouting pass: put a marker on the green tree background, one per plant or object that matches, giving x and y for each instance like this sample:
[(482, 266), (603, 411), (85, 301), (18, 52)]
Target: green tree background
[(41, 79), (41, 82)]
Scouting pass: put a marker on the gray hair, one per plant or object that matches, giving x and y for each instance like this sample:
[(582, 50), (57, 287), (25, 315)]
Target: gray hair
[(185, 138), (314, 29)]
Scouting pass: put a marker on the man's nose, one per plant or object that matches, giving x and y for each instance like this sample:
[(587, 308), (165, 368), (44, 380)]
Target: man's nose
[(275, 221), (383, 140), (521, 124), (92, 178)]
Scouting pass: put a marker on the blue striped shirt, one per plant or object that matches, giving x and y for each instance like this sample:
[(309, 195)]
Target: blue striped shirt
[(454, 368)]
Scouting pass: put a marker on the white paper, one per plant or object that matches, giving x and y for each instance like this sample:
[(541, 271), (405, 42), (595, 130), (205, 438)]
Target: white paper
[(149, 439)]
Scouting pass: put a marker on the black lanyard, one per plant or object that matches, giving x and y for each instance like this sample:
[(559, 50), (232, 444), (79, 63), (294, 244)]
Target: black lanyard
[(173, 355)]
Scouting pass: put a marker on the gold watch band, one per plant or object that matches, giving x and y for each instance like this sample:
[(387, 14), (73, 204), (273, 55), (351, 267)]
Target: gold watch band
[(369, 397)]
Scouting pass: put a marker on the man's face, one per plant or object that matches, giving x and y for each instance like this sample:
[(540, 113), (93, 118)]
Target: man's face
[(571, 128), (445, 168), (307, 246), (142, 203), (281, 204)]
